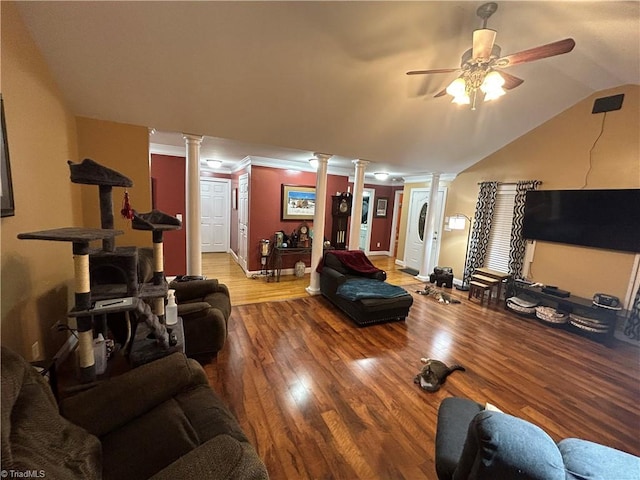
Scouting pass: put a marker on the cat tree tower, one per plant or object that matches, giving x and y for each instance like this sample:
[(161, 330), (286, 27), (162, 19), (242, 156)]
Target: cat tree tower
[(111, 272)]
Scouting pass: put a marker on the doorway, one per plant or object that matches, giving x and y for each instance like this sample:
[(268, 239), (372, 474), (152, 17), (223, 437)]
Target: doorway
[(214, 214), (243, 219), (416, 224), (365, 222)]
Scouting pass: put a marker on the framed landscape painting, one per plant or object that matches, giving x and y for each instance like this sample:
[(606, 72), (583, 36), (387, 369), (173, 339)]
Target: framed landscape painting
[(298, 202), (6, 190)]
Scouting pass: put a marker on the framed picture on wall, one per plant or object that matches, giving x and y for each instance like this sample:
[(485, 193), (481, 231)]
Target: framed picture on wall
[(381, 206), (6, 189), (298, 202)]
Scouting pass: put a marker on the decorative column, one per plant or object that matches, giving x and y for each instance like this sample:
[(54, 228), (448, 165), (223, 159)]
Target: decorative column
[(194, 246), (356, 209), (317, 247), (429, 230)]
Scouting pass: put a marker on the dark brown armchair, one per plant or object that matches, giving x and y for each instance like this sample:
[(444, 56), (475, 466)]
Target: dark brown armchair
[(205, 306)]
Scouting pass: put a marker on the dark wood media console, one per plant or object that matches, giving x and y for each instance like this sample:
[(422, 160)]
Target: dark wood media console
[(584, 317)]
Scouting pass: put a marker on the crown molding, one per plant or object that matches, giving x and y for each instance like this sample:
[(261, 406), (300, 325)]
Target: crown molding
[(427, 177)]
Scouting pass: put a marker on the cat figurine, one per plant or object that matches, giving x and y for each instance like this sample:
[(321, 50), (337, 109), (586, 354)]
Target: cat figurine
[(434, 374)]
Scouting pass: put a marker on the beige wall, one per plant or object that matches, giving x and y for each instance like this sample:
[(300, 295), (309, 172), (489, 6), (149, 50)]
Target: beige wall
[(124, 148), (36, 276), (558, 153)]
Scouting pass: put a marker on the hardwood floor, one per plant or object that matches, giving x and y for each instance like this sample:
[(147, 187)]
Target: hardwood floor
[(322, 398), (255, 290)]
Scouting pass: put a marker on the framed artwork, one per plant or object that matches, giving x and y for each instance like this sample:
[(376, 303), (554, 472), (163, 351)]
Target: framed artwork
[(381, 206), (298, 202), (6, 189)]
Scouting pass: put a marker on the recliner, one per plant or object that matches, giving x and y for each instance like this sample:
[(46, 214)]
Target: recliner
[(205, 307), (160, 420), (474, 443)]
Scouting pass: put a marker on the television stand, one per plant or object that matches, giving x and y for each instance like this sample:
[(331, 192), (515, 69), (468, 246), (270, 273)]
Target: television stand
[(584, 317)]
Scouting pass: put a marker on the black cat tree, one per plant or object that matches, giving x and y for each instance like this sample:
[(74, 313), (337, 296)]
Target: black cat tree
[(111, 273)]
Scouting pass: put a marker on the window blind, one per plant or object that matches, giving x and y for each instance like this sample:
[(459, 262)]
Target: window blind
[(500, 236)]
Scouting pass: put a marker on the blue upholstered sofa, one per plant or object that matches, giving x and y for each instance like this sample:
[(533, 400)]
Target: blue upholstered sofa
[(473, 443)]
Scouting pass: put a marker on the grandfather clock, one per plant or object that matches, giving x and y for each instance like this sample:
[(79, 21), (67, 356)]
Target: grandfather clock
[(340, 211)]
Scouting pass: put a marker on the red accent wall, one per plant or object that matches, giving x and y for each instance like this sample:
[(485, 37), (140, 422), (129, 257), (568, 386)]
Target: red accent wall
[(265, 207), (381, 226), (168, 179)]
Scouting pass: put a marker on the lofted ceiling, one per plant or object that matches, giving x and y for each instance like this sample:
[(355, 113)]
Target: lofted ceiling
[(285, 79)]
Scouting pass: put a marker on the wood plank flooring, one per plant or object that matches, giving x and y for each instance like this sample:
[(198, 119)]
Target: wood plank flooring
[(323, 399)]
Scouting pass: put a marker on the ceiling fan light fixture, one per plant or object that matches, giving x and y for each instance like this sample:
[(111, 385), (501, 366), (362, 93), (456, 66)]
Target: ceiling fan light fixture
[(461, 99), (457, 87), (381, 175), (492, 86), (492, 95)]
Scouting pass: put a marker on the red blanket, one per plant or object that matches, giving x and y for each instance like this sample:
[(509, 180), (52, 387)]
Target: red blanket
[(355, 260)]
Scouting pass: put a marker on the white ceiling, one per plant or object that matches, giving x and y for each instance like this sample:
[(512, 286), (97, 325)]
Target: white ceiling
[(286, 79)]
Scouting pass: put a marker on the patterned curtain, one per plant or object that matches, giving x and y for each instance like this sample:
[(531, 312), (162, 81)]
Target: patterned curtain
[(517, 244), (481, 228), (632, 325)]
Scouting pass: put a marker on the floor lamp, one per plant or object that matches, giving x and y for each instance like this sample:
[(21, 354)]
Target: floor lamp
[(457, 222)]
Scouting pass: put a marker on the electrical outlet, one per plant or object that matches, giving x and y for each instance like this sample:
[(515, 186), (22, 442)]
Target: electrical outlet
[(35, 351)]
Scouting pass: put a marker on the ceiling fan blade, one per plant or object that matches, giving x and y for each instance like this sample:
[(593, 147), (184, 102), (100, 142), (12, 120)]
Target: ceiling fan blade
[(437, 70), (483, 41), (440, 93), (543, 51), (510, 81)]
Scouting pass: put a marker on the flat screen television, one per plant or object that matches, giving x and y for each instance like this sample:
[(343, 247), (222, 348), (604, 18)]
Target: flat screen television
[(607, 219)]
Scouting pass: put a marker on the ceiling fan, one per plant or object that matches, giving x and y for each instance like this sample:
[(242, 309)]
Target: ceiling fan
[(481, 66)]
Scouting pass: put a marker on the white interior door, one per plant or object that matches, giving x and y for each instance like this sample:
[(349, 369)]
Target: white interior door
[(367, 217), (214, 214), (243, 219), (414, 244)]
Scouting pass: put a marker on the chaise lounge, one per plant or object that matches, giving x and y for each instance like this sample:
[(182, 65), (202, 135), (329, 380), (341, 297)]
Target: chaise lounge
[(352, 283)]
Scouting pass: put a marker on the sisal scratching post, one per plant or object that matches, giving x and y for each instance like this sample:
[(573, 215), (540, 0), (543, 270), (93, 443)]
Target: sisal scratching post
[(83, 302), (80, 237)]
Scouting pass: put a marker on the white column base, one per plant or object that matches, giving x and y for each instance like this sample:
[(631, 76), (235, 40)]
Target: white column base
[(312, 291)]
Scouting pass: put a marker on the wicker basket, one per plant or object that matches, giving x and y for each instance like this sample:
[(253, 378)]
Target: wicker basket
[(589, 324), (551, 315), (511, 305)]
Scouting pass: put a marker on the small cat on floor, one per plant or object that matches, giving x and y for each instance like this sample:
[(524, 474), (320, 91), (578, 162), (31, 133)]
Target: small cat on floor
[(434, 374), (438, 295)]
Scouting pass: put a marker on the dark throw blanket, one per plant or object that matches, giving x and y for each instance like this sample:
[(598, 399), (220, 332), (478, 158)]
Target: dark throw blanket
[(360, 288), (354, 260)]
